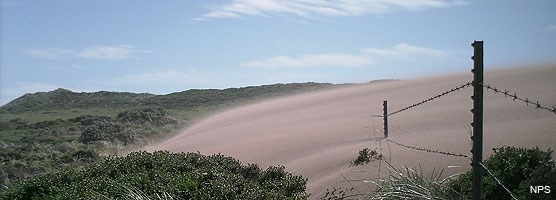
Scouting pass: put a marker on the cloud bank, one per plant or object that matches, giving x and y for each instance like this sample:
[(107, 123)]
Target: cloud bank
[(364, 57), (335, 59), (309, 8), (119, 52)]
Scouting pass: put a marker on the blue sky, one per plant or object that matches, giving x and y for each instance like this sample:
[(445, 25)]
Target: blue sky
[(168, 46)]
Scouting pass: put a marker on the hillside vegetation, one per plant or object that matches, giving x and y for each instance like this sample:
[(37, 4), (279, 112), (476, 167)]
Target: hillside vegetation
[(176, 176), (65, 99), (48, 131), (62, 99)]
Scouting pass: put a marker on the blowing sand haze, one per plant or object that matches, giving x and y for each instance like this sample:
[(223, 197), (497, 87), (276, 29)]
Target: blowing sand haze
[(317, 134)]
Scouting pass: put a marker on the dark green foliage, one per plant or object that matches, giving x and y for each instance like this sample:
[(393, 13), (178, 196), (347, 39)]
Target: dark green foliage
[(126, 128), (25, 160), (182, 175), (102, 131), (83, 155), (30, 149), (517, 169), (89, 120), (143, 114), (66, 99), (158, 116), (365, 156), (13, 124)]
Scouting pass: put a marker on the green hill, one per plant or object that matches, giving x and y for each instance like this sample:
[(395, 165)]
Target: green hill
[(66, 99), (65, 104), (214, 97), (48, 131)]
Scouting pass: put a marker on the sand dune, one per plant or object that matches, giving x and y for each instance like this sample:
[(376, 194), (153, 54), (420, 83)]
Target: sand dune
[(317, 134)]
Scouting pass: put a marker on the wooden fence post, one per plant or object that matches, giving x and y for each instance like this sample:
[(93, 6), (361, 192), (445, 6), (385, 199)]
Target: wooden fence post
[(385, 116)]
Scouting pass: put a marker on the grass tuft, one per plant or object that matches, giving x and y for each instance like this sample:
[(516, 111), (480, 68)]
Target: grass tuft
[(407, 183)]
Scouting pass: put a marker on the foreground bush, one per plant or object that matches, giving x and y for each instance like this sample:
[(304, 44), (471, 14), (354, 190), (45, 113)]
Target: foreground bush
[(179, 175), (518, 169)]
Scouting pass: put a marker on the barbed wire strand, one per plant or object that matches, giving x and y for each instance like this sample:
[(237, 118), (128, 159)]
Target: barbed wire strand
[(499, 182), (514, 96), (458, 88), (429, 150)]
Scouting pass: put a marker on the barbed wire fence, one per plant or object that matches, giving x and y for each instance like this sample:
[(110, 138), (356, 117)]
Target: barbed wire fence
[(514, 96), (458, 88), (477, 124), (429, 150)]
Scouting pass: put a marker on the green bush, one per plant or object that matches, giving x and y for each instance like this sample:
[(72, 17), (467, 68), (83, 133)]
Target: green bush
[(100, 132), (180, 175), (365, 156), (142, 115), (16, 123), (518, 169), (81, 155)]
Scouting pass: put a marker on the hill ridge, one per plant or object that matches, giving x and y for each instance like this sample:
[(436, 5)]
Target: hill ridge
[(62, 98)]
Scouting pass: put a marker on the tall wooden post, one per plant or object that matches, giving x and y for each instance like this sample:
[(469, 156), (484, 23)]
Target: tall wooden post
[(385, 116), (477, 120)]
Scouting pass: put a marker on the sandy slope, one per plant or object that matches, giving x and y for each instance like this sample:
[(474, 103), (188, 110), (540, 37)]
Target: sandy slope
[(317, 134)]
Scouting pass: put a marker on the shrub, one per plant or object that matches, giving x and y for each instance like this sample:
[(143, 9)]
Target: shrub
[(179, 175), (81, 155), (517, 169), (142, 115), (100, 131), (16, 123), (365, 156)]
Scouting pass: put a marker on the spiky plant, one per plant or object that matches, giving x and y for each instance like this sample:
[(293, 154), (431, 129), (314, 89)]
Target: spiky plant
[(407, 183)]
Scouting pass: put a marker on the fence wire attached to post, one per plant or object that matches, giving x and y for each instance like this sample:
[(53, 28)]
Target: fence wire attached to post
[(525, 100), (458, 88)]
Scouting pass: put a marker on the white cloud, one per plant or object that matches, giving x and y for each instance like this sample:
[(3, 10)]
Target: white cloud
[(403, 49), (49, 53), (367, 56), (335, 60), (307, 8), (217, 14), (120, 52), (108, 52), (164, 77), (172, 80), (63, 66)]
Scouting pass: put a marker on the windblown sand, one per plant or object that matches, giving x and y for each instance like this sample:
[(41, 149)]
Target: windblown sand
[(317, 134)]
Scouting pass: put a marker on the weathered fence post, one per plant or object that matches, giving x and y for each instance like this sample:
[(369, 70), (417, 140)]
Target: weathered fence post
[(477, 119), (385, 116)]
